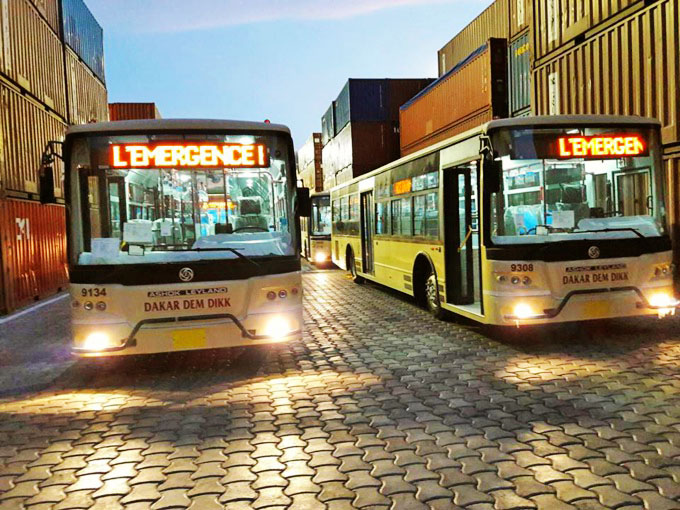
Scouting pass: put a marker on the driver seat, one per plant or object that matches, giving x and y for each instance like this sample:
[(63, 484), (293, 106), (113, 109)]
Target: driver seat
[(250, 213)]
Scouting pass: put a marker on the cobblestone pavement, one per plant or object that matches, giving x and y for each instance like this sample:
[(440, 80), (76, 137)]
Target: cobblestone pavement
[(380, 406)]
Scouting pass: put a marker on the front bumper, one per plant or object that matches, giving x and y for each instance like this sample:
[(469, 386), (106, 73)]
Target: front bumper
[(168, 334)]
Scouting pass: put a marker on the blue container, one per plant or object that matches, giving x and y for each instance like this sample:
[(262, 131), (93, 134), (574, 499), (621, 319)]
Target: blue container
[(84, 35)]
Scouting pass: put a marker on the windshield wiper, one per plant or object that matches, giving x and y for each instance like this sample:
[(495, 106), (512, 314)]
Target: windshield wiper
[(233, 250), (622, 229)]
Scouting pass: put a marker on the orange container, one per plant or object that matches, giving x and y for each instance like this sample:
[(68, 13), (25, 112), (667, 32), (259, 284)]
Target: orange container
[(132, 111), (466, 97), (33, 248)]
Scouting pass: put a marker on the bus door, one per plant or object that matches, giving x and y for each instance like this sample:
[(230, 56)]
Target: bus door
[(461, 234), (367, 232)]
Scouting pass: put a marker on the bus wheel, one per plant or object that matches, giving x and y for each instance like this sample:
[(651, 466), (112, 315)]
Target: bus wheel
[(351, 264), (432, 302)]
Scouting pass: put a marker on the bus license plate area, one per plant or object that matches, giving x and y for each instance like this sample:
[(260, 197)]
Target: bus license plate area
[(189, 339), (596, 309)]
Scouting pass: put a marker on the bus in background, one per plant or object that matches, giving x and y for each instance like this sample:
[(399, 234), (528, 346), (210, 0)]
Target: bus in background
[(530, 220), (182, 234), (316, 231)]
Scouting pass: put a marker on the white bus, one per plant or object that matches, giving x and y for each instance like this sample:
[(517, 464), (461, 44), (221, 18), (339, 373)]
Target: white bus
[(522, 221), (182, 235)]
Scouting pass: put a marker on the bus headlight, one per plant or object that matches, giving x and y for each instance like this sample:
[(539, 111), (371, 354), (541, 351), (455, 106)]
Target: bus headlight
[(278, 327), (320, 257), (97, 341), (523, 311), (664, 303)]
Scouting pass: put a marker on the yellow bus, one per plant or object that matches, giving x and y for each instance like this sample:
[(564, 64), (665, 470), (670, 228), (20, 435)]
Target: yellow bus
[(182, 234), (316, 230), (531, 220)]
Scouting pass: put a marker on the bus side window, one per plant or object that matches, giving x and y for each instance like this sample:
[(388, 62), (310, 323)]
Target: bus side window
[(382, 218)]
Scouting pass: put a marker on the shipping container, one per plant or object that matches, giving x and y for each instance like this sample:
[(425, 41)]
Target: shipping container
[(558, 22), (83, 35), (133, 111), (469, 95), (630, 68), (359, 148), (49, 10), (520, 16), (494, 22), (32, 55), (33, 252), (328, 124), (26, 129), (519, 75), (88, 100), (672, 168), (374, 100), (309, 169)]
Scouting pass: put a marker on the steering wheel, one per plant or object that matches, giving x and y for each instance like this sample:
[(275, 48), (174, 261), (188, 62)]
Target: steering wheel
[(251, 227)]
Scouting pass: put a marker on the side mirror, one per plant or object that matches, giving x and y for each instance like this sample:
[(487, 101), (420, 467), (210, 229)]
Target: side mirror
[(46, 183), (493, 175), (304, 203)]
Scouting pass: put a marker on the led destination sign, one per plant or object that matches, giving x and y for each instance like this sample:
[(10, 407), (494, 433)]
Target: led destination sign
[(601, 146), (189, 156)]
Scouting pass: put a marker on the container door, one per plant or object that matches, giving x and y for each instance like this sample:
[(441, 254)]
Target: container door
[(367, 231), (635, 193), (461, 234)]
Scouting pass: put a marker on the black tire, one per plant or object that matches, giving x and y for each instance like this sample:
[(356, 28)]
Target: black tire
[(430, 293), (352, 267)]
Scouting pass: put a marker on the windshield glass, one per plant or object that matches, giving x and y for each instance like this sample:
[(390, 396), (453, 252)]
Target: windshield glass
[(170, 198), (569, 184), (321, 216)]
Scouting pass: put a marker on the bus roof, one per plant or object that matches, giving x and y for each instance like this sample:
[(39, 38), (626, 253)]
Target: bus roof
[(560, 120), (146, 125), (543, 120)]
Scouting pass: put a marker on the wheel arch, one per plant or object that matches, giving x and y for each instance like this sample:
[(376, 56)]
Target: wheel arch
[(422, 265)]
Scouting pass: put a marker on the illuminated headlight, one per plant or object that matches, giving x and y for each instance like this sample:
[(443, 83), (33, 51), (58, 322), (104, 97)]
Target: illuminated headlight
[(664, 304), (278, 327), (320, 257), (97, 341), (523, 311)]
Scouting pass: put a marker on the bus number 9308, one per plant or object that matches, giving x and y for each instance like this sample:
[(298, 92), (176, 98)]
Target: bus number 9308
[(522, 267)]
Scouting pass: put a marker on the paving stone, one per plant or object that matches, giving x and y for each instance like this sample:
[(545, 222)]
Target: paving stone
[(334, 491), (369, 497)]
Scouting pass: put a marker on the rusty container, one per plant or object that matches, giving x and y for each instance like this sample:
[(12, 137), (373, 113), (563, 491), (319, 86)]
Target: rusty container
[(520, 16), (88, 100), (133, 111), (494, 22), (672, 171), (558, 24), (26, 129), (309, 163), (469, 95), (33, 252), (49, 10), (32, 55), (630, 68)]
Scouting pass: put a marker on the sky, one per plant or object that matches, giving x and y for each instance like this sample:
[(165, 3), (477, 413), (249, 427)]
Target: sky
[(283, 60)]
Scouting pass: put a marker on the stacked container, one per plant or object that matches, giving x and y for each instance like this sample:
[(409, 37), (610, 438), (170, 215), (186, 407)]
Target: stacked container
[(470, 94), (366, 126), (309, 169), (44, 85), (133, 111)]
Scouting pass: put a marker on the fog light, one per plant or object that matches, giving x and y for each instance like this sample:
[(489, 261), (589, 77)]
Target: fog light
[(97, 341), (320, 257), (278, 327)]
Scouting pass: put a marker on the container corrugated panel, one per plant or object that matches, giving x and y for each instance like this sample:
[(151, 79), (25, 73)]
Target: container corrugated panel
[(341, 108), (374, 144), (672, 172), (402, 91), (88, 99), (337, 153), (49, 9), (556, 22), (132, 111), (26, 129), (631, 68), (520, 16), (476, 90), (33, 246), (494, 22), (83, 35), (309, 163), (32, 54), (328, 124), (519, 74)]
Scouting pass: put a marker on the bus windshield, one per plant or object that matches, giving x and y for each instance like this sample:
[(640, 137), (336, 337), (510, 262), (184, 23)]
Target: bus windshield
[(170, 198), (321, 216), (584, 183)]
